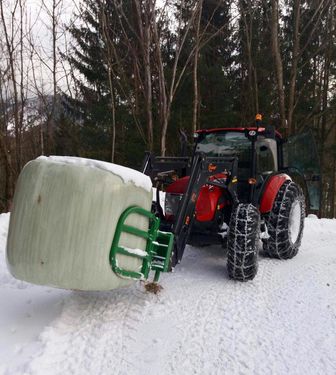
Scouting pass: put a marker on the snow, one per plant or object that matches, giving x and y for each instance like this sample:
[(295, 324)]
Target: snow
[(283, 322), (138, 252), (128, 175)]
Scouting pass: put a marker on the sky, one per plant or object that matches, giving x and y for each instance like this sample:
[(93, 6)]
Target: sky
[(38, 51)]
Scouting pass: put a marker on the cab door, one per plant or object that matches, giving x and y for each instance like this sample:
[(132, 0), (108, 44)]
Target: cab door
[(302, 161)]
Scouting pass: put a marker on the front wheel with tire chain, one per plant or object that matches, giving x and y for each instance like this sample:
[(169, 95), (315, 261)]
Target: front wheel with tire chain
[(285, 222), (242, 260)]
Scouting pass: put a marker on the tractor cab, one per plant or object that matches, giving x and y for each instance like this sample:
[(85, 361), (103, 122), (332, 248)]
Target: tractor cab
[(255, 148)]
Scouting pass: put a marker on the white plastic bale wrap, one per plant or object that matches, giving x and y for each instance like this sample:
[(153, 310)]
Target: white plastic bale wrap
[(64, 219)]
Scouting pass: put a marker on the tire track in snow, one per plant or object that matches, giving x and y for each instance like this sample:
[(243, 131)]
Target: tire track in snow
[(89, 336), (192, 335), (219, 308)]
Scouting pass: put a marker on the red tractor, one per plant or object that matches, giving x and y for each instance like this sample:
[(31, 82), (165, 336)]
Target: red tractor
[(235, 190)]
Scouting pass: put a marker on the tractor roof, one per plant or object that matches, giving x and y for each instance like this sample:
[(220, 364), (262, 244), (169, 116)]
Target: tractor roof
[(214, 130)]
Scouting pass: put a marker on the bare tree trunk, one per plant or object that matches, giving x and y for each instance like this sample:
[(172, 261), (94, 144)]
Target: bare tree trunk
[(278, 61), (9, 178), (334, 182), (324, 104), (109, 61), (113, 112), (39, 94), (21, 86), (164, 134), (164, 100), (252, 71), (195, 69), (16, 105), (295, 60), (51, 122), (325, 92), (54, 14), (6, 179), (145, 17)]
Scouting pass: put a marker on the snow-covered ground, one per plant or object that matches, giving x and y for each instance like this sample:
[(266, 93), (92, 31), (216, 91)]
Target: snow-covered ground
[(283, 322)]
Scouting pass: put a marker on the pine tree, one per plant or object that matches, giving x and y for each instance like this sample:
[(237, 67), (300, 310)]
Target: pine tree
[(92, 59), (217, 90)]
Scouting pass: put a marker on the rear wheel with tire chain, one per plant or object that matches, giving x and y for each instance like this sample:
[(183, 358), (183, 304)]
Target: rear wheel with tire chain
[(242, 261), (285, 222)]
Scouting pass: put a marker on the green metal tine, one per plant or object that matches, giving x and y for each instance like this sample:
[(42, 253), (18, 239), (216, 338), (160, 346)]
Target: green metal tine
[(158, 246)]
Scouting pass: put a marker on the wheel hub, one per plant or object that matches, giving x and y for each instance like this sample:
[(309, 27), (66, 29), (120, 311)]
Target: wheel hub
[(295, 221)]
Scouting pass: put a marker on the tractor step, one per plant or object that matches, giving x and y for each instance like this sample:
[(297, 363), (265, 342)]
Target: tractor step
[(158, 251)]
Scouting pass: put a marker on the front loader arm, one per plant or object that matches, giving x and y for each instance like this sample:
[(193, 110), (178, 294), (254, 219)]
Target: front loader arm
[(202, 169)]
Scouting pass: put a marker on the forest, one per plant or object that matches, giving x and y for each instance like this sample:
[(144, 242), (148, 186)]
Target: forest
[(110, 79)]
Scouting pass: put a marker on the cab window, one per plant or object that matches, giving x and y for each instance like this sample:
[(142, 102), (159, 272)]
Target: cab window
[(226, 144), (265, 159)]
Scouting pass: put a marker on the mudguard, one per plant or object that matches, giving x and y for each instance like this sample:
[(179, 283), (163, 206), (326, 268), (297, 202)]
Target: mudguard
[(272, 186)]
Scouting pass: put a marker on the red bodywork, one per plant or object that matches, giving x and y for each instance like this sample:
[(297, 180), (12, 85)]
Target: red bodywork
[(207, 203), (272, 187)]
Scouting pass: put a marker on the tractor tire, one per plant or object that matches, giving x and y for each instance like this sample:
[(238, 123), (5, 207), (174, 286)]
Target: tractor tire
[(242, 259), (285, 222)]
